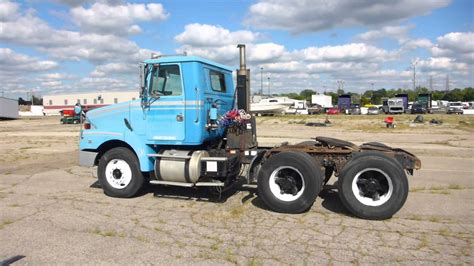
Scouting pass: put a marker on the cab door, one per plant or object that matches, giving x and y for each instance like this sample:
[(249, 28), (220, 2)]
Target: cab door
[(165, 116)]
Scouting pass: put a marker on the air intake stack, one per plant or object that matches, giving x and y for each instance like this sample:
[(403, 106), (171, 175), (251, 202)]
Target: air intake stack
[(243, 82)]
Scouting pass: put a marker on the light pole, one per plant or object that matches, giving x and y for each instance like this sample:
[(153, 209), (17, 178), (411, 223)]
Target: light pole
[(261, 81), (414, 73), (269, 86)]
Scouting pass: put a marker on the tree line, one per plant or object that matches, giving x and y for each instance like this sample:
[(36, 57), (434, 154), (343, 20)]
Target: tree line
[(375, 96)]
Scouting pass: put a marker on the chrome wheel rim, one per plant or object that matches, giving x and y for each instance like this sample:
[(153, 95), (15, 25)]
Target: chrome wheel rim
[(372, 187)]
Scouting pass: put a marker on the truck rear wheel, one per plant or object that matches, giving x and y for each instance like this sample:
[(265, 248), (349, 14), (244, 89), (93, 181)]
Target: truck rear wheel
[(289, 182), (119, 173), (373, 186)]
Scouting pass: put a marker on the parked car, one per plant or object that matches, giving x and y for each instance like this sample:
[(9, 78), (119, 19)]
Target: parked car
[(417, 109), (332, 111), (455, 108), (354, 110), (374, 110)]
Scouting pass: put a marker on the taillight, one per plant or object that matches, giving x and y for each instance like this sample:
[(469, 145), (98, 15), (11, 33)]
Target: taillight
[(87, 125)]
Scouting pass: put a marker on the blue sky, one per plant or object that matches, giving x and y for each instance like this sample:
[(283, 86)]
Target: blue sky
[(63, 46)]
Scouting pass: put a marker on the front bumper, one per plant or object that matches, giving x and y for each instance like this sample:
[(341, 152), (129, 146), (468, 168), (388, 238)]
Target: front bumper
[(87, 158)]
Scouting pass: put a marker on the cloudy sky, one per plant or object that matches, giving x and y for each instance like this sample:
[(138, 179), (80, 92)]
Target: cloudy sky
[(62, 46)]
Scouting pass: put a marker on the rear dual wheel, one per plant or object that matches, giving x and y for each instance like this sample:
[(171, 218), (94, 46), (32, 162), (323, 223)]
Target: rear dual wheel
[(289, 182), (373, 186)]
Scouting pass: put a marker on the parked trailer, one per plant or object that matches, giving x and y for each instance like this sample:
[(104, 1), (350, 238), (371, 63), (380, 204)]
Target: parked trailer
[(8, 108), (184, 131)]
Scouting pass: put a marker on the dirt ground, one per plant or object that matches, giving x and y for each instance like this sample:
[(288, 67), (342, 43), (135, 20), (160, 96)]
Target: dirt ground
[(52, 213)]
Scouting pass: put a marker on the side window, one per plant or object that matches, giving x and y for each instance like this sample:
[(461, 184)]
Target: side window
[(217, 81), (167, 81)]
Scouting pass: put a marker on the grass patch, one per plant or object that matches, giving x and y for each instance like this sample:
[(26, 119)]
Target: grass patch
[(6, 222), (423, 242), (415, 217), (455, 186), (108, 233), (254, 262), (444, 231), (229, 256)]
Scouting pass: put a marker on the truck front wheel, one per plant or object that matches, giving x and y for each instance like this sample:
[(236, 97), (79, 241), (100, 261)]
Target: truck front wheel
[(373, 186), (119, 173), (289, 182)]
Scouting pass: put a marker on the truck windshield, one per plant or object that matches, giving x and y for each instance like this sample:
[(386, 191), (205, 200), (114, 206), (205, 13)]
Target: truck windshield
[(166, 81)]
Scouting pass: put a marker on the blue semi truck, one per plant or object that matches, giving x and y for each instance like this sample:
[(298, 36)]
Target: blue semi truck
[(192, 128)]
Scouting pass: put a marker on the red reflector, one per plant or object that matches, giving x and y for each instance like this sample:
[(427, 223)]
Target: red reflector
[(87, 126)]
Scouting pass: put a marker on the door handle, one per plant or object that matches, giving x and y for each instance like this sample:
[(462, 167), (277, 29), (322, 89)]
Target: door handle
[(180, 118), (197, 101)]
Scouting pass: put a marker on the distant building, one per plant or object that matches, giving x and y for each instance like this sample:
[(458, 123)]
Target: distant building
[(8, 108), (55, 103)]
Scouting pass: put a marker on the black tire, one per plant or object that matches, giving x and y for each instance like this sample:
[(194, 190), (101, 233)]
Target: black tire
[(299, 176), (122, 189), (377, 202)]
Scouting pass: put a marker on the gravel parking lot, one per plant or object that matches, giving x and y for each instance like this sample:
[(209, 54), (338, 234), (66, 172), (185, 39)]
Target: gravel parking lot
[(51, 211)]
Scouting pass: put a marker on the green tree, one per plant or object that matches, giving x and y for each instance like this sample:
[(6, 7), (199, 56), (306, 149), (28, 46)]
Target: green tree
[(306, 94)]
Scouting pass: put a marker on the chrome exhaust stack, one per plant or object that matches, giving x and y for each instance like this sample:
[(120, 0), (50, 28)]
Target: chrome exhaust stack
[(243, 82)]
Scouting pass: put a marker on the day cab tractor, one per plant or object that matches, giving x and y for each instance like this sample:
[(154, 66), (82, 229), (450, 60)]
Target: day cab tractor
[(192, 128)]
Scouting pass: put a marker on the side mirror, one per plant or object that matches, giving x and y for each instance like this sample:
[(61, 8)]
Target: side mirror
[(141, 74)]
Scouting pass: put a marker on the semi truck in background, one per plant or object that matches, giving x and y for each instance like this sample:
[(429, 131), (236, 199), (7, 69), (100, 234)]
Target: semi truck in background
[(192, 128), (8, 108), (392, 106), (424, 99), (404, 97), (344, 102)]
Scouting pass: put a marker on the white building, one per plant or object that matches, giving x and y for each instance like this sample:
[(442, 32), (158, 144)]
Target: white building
[(55, 103)]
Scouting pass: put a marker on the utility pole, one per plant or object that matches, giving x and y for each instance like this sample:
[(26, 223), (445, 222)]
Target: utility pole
[(269, 86), (431, 83), (414, 73), (261, 81), (447, 83)]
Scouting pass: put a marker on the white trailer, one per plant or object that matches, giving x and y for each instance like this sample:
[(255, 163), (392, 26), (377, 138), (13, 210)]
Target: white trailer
[(8, 108), (324, 100)]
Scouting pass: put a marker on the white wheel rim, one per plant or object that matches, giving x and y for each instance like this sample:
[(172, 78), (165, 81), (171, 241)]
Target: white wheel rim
[(118, 173), (285, 172), (362, 196)]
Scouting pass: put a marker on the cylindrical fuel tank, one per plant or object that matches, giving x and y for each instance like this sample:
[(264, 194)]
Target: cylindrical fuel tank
[(179, 165)]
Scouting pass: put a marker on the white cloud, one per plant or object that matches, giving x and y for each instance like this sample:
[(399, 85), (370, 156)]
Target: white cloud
[(204, 35), (8, 10), (459, 45), (398, 33), (441, 63), (119, 19), (417, 43), (70, 45), (11, 61), (114, 69), (315, 15), (82, 2), (345, 53)]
